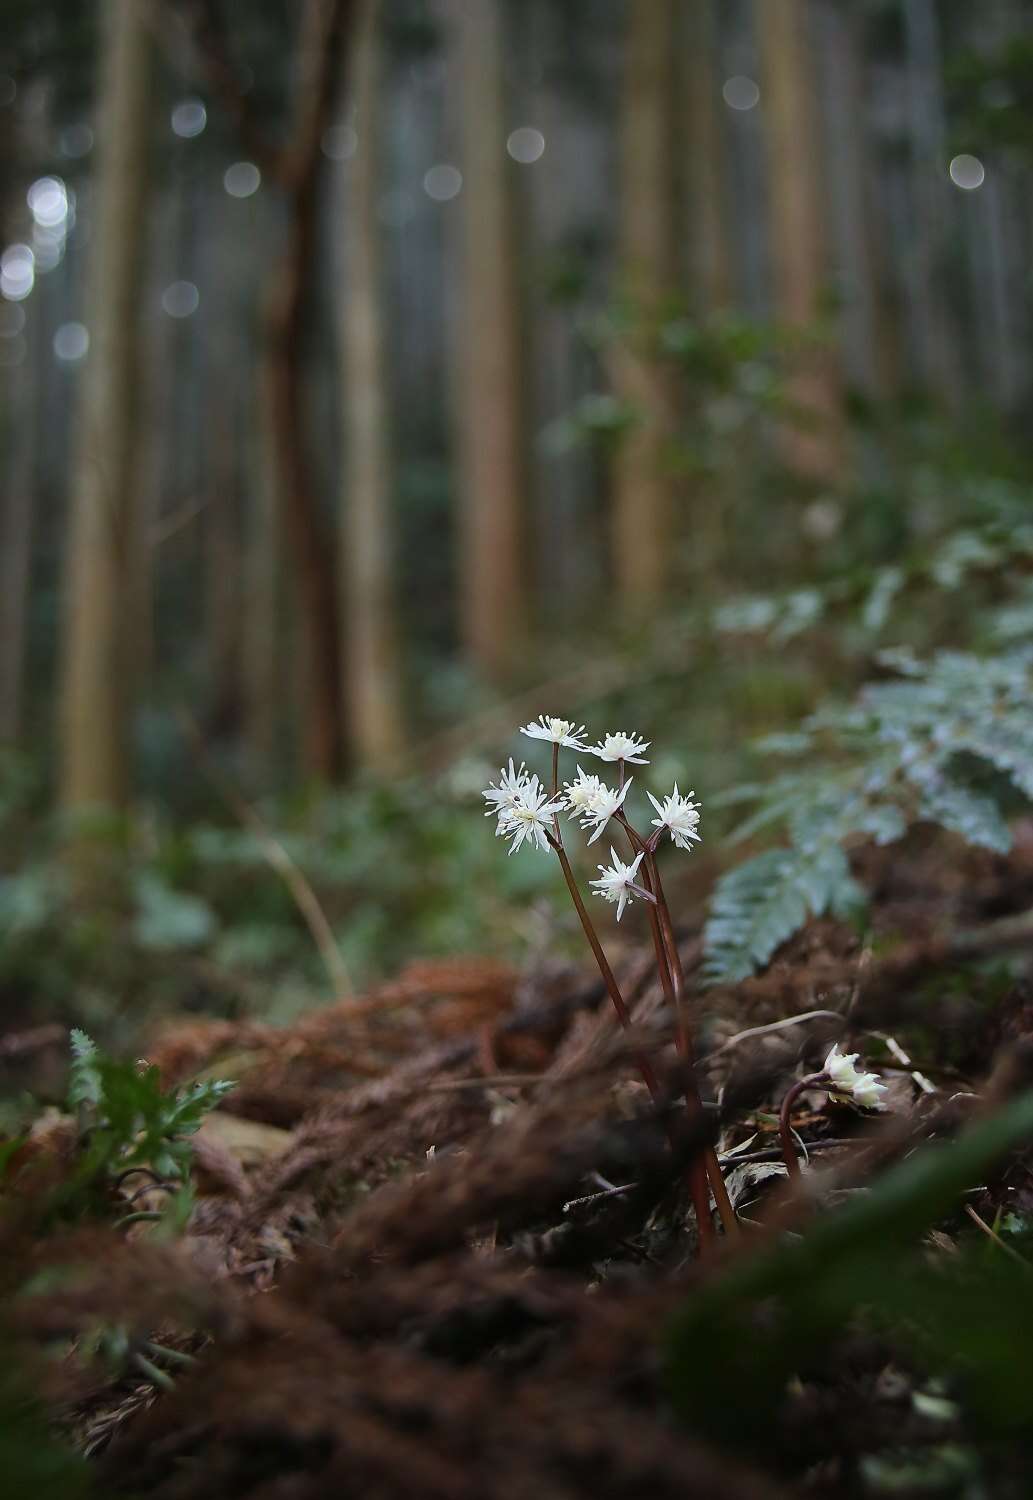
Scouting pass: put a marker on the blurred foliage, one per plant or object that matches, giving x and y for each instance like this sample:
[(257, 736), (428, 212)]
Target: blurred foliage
[(127, 1120), (951, 743), (404, 867), (781, 1321)]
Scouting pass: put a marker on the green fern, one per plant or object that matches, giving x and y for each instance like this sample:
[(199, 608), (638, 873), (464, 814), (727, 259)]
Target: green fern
[(757, 906), (925, 746)]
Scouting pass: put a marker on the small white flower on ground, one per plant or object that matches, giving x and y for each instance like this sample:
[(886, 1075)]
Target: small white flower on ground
[(679, 815), (556, 731), (604, 803), (616, 882), (507, 793), (621, 746), (528, 817), (847, 1085)]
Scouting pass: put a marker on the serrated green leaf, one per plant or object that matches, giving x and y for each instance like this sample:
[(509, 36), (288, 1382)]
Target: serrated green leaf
[(85, 1084)]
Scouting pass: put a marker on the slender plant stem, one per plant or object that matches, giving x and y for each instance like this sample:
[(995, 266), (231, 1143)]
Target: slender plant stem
[(665, 930), (785, 1129), (697, 1173), (643, 1064)]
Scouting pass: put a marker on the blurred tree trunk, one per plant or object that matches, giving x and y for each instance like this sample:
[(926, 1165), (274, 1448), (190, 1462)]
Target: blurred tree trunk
[(935, 339), (223, 594), (704, 161), (372, 681), (492, 477), (16, 531), (286, 319), (813, 445), (263, 626), (643, 482), (867, 340), (96, 646)]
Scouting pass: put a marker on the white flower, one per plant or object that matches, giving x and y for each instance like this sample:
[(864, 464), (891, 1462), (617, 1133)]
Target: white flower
[(616, 881), (556, 731), (679, 815), (621, 746), (504, 796), (580, 794), (598, 805), (528, 816), (849, 1086)]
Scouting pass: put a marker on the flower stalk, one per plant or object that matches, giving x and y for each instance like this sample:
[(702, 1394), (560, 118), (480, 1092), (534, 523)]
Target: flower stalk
[(528, 816)]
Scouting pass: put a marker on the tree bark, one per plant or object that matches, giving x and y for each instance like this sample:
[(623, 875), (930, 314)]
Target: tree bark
[(96, 646), (490, 438), (286, 311), (935, 337), (372, 670), (813, 443), (644, 486), (705, 167), (17, 506)]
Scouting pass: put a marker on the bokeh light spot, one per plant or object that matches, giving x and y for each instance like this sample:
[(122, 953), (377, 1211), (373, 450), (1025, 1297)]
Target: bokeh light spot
[(71, 342), (181, 299), (967, 172), (17, 272), (48, 202), (740, 92), (76, 141), (442, 182), (189, 117), (525, 144), (242, 179)]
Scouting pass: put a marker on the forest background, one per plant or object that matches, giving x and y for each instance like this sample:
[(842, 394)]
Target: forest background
[(375, 377)]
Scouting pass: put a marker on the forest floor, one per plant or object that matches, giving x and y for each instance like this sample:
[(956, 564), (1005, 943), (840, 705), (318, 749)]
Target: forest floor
[(442, 1245)]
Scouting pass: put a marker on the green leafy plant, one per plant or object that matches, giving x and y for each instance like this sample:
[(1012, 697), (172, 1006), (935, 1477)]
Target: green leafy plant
[(948, 741), (128, 1122)]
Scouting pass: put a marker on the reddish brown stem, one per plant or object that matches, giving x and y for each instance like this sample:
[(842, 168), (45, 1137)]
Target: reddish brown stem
[(785, 1130), (643, 1064), (665, 930)]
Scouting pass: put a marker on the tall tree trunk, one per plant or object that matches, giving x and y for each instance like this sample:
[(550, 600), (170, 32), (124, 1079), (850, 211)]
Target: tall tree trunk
[(263, 626), (643, 481), (853, 209), (813, 445), (222, 603), (490, 439), (96, 661), (934, 334), (704, 163), (372, 680), (16, 529)]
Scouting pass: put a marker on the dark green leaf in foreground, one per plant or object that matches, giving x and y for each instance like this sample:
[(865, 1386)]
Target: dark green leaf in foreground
[(775, 1314)]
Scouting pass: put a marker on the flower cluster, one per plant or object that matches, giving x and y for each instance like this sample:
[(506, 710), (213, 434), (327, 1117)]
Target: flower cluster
[(526, 812), (847, 1085), (523, 808)]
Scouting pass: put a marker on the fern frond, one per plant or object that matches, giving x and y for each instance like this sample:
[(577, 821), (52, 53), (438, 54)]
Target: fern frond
[(757, 906)]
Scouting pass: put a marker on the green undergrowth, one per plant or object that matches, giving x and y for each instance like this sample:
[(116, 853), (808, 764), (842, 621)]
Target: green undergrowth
[(785, 1324)]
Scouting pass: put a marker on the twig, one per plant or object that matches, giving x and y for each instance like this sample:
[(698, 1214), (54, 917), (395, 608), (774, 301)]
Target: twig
[(486, 1081), (775, 1153), (157, 1377), (296, 881), (992, 1234), (772, 1026)]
